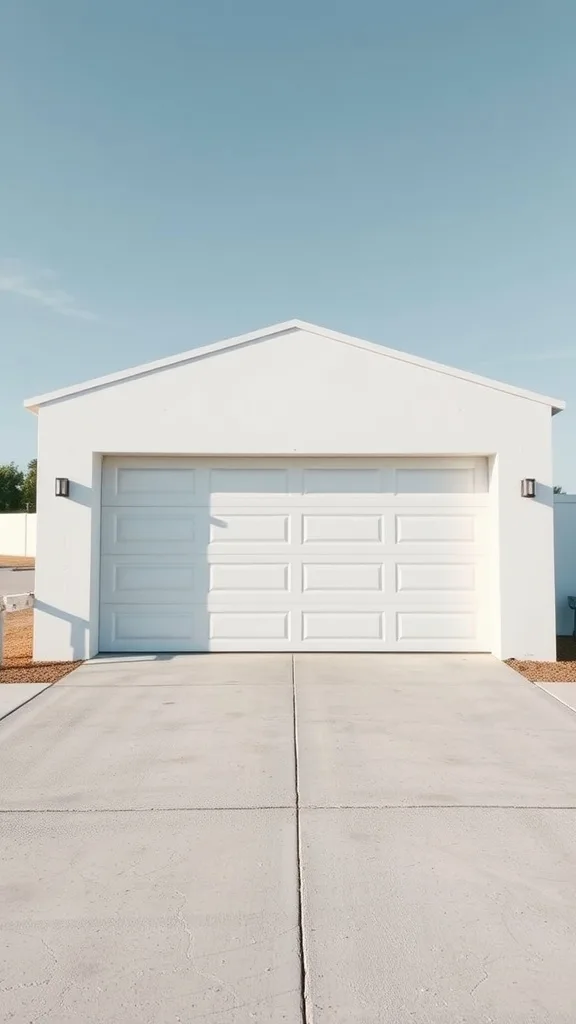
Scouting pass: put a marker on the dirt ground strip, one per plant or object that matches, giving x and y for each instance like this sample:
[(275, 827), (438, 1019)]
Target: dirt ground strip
[(17, 665), (16, 562)]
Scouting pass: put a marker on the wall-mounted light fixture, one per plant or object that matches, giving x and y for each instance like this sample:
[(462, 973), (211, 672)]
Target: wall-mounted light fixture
[(62, 487), (529, 487)]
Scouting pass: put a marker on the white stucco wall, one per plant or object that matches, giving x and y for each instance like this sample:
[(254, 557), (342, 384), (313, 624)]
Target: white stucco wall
[(305, 394), (18, 533), (565, 559)]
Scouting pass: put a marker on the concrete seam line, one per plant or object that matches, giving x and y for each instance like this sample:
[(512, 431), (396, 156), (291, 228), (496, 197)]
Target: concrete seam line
[(305, 1007), (150, 686), (287, 807), (440, 807), (143, 810)]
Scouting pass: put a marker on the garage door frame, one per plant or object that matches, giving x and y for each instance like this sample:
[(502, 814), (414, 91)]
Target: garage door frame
[(479, 499)]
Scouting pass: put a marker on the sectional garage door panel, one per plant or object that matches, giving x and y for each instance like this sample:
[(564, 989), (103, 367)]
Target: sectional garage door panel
[(363, 554)]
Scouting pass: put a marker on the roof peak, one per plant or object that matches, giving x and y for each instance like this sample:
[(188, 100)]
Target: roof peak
[(277, 330)]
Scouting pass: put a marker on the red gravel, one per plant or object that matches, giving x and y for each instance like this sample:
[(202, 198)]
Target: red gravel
[(563, 670)]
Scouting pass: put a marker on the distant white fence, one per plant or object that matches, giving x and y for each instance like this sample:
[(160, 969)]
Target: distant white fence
[(18, 533), (12, 603)]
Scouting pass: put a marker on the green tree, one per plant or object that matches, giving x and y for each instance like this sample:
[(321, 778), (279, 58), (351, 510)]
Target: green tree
[(11, 483), (29, 487)]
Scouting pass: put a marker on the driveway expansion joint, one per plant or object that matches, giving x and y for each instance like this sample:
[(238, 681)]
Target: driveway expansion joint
[(304, 1001), (142, 810), (288, 807)]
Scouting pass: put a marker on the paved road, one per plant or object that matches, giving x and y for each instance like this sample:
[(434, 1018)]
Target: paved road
[(16, 581), (171, 854)]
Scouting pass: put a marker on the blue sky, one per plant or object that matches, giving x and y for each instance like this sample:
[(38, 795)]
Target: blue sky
[(175, 173)]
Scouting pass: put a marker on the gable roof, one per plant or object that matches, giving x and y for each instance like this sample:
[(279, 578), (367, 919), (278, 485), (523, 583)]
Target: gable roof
[(276, 330)]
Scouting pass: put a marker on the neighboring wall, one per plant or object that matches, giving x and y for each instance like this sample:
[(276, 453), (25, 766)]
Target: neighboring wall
[(17, 533), (565, 558)]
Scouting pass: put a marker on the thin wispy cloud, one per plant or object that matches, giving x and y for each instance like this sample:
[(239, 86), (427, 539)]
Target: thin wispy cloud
[(38, 287)]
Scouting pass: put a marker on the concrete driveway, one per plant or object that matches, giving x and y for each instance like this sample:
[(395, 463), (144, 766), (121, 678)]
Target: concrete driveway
[(329, 839)]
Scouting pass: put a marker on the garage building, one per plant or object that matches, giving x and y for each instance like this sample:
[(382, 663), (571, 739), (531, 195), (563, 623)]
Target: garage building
[(294, 489)]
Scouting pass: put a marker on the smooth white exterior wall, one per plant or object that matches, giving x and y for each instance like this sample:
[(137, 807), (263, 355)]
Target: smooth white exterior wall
[(298, 393), (18, 533), (565, 558)]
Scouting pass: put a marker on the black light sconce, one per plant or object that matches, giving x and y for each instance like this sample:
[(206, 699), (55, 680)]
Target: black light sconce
[(62, 487), (529, 487)]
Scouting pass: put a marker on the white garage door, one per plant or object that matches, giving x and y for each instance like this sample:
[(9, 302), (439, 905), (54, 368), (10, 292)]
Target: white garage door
[(317, 555)]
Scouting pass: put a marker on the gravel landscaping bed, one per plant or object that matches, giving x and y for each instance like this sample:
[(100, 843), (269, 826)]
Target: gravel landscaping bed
[(18, 666), (563, 670)]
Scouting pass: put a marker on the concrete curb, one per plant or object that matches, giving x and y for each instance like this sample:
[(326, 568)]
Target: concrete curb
[(22, 695), (554, 690)]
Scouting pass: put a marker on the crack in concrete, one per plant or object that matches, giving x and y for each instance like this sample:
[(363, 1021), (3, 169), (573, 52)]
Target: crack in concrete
[(35, 984), (478, 983), (193, 958), (242, 1006)]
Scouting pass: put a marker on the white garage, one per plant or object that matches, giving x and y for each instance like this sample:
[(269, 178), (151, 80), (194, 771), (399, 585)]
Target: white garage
[(294, 554), (294, 489)]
